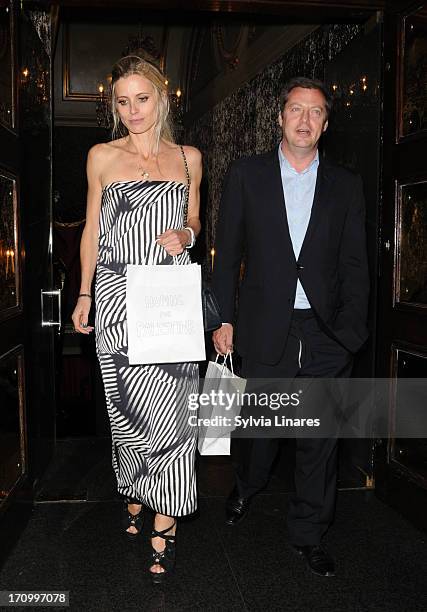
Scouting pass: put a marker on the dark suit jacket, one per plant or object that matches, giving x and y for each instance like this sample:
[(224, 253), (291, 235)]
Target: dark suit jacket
[(332, 265)]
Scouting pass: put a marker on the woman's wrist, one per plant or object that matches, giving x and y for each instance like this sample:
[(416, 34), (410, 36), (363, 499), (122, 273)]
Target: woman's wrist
[(192, 236)]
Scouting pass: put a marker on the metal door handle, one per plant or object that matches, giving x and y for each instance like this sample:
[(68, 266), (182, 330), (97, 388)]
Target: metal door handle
[(51, 317)]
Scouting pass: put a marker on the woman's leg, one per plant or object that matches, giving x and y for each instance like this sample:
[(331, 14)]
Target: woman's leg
[(161, 523), (133, 509)]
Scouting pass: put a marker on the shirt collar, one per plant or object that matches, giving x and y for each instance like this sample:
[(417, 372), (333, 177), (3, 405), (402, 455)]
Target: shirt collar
[(284, 163)]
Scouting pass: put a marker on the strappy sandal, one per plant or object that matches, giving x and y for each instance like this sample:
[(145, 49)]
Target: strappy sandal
[(166, 557), (132, 520)]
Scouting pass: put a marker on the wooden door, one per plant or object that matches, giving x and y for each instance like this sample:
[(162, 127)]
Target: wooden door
[(401, 463), (27, 380)]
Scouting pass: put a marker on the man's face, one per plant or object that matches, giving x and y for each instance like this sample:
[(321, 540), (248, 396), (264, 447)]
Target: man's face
[(303, 119)]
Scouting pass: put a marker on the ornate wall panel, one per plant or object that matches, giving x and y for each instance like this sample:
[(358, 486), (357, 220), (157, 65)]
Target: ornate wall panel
[(413, 94), (410, 454), (90, 50), (10, 250), (13, 444), (41, 21), (87, 50), (411, 252), (7, 67), (35, 76)]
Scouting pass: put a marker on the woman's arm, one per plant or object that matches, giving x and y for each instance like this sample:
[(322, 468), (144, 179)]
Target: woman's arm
[(194, 160), (89, 241), (175, 241)]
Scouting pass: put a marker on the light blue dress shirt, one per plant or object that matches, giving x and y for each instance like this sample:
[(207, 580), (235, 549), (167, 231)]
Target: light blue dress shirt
[(298, 189)]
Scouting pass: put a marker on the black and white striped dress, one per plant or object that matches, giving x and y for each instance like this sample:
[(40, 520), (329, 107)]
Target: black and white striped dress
[(153, 445)]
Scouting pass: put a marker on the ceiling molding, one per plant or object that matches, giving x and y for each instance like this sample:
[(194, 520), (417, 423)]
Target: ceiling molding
[(227, 5), (294, 9)]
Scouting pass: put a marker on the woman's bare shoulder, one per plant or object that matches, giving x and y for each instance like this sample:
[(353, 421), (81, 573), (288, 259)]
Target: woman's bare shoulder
[(104, 150), (194, 159), (193, 155)]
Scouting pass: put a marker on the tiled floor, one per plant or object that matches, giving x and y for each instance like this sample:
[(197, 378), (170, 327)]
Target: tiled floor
[(77, 546)]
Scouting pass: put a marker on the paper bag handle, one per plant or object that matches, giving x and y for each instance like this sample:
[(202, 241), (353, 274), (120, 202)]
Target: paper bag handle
[(224, 363)]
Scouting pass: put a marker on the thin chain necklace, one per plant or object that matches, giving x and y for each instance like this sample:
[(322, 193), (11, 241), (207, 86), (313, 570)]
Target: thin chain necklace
[(145, 175), (141, 170)]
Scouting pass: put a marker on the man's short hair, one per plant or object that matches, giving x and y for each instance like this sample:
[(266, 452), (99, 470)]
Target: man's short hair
[(306, 84)]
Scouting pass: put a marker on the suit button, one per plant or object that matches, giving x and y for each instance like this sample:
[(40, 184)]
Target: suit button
[(300, 267)]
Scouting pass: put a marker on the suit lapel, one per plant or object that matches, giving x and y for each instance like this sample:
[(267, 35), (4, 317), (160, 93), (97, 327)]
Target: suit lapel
[(273, 192), (320, 200)]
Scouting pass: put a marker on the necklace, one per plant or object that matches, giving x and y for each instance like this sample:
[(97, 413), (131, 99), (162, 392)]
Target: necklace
[(144, 174), (141, 170)]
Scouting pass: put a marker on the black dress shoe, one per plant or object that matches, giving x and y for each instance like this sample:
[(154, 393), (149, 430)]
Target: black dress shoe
[(318, 560), (236, 508)]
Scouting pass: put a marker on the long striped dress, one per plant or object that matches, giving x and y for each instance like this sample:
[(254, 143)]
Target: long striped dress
[(153, 447)]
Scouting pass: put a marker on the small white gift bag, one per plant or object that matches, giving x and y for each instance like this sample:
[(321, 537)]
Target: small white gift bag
[(226, 389), (164, 314)]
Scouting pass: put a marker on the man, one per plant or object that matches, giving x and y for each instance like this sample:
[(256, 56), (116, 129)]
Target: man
[(302, 304)]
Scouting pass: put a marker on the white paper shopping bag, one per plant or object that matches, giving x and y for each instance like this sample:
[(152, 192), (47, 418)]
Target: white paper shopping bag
[(216, 446), (217, 418), (164, 314)]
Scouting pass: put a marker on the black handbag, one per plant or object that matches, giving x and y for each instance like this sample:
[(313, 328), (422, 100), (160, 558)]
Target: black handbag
[(211, 314)]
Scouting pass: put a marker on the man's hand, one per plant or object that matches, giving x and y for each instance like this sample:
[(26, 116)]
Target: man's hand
[(223, 339)]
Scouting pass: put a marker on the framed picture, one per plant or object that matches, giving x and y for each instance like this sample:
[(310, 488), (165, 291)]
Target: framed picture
[(409, 454), (8, 105), (89, 50), (13, 425), (10, 247), (411, 245), (412, 106)]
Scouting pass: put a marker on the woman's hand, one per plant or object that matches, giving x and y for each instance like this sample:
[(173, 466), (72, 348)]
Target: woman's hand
[(81, 314), (174, 241)]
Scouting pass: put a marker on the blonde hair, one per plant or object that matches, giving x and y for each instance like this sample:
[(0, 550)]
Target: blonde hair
[(133, 64)]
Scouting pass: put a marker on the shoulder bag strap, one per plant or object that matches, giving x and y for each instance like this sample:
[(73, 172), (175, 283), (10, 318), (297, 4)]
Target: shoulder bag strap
[(187, 192)]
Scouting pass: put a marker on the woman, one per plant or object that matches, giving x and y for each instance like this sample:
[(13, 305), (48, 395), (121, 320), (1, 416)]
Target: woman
[(142, 190)]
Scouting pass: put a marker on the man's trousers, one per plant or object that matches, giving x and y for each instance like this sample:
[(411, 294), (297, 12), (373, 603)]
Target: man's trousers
[(309, 352)]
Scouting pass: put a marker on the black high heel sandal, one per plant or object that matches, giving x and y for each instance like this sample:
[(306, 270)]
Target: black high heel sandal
[(166, 557), (132, 520)]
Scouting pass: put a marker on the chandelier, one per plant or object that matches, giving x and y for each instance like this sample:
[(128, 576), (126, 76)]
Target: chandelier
[(144, 47), (352, 93)]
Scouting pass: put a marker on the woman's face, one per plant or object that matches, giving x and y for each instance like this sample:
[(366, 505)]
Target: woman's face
[(136, 103)]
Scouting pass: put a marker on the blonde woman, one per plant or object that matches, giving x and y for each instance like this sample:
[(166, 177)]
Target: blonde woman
[(136, 212)]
